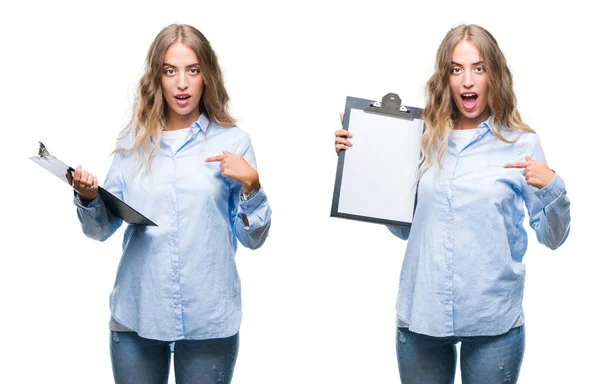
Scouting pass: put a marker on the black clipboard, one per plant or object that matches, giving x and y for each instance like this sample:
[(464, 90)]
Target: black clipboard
[(117, 206), (371, 199)]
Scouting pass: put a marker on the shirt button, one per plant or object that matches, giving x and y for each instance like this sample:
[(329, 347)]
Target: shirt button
[(176, 301)]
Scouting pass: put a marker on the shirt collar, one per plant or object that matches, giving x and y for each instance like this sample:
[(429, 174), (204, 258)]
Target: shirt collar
[(484, 127), (487, 124), (201, 124)]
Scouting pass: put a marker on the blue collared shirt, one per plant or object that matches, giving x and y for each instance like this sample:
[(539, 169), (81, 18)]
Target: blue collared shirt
[(463, 272), (179, 280)]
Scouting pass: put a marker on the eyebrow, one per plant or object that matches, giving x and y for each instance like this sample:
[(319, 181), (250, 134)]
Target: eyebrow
[(477, 63), (174, 66)]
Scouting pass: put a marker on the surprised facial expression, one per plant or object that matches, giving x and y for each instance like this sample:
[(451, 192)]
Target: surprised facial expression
[(469, 85)]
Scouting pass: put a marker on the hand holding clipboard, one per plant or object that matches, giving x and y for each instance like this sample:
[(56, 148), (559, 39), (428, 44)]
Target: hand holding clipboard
[(88, 187), (376, 180)]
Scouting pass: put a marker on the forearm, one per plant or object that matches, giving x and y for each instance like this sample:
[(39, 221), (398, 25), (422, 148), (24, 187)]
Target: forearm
[(252, 220), (554, 223), (97, 222), (400, 232)]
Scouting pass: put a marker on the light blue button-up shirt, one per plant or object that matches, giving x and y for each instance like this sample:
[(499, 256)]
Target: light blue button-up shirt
[(463, 272), (179, 280)]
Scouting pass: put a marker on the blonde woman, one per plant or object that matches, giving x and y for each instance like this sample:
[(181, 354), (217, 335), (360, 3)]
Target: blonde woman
[(462, 277), (183, 163)]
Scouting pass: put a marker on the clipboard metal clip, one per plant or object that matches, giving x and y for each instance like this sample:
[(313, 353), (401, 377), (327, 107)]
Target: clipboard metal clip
[(390, 105), (42, 151)]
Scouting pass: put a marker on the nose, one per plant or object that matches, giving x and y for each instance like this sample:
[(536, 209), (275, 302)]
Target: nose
[(468, 80), (182, 82)]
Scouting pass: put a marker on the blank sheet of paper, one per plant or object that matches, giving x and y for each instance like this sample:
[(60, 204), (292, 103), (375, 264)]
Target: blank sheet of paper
[(379, 176)]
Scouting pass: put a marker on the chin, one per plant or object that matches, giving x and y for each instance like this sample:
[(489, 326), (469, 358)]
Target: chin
[(473, 114), (185, 113)]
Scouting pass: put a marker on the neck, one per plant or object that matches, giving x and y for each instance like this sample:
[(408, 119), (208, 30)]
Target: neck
[(176, 121), (464, 122)]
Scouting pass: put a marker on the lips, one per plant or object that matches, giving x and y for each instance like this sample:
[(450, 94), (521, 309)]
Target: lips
[(182, 100), (469, 100)]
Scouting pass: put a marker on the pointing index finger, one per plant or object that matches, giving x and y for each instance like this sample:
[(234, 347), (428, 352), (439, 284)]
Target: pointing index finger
[(516, 164), (214, 158)]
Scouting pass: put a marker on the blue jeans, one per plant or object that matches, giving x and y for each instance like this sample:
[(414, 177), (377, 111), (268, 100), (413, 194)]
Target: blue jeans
[(138, 360), (483, 359)]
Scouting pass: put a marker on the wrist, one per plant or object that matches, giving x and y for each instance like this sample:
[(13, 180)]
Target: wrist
[(84, 201), (548, 180), (250, 185)]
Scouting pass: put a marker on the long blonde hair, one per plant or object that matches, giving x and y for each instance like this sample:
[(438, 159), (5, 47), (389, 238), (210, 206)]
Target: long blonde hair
[(150, 109), (440, 113)]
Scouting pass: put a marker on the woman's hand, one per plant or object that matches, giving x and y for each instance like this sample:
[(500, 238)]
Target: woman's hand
[(85, 183), (341, 138), (537, 174), (236, 168)]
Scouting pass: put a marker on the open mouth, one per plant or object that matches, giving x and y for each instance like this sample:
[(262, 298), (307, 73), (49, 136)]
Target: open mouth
[(182, 99), (469, 101)]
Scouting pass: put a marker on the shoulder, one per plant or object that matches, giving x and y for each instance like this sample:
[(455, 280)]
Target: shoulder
[(520, 138), (528, 137), (530, 141), (524, 143), (125, 142), (234, 131), (125, 145), (232, 135), (126, 138), (517, 134)]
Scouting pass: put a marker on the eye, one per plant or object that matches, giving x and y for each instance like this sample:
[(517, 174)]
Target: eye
[(479, 69), (195, 71), (169, 71), (455, 70)]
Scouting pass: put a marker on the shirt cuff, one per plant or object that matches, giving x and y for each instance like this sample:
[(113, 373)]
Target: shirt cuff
[(92, 205), (254, 202), (552, 191)]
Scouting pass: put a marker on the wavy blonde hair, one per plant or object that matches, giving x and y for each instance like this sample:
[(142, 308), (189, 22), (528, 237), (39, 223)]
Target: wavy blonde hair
[(150, 108), (440, 113)]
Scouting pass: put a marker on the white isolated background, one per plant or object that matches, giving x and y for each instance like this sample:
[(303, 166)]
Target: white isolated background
[(319, 296)]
